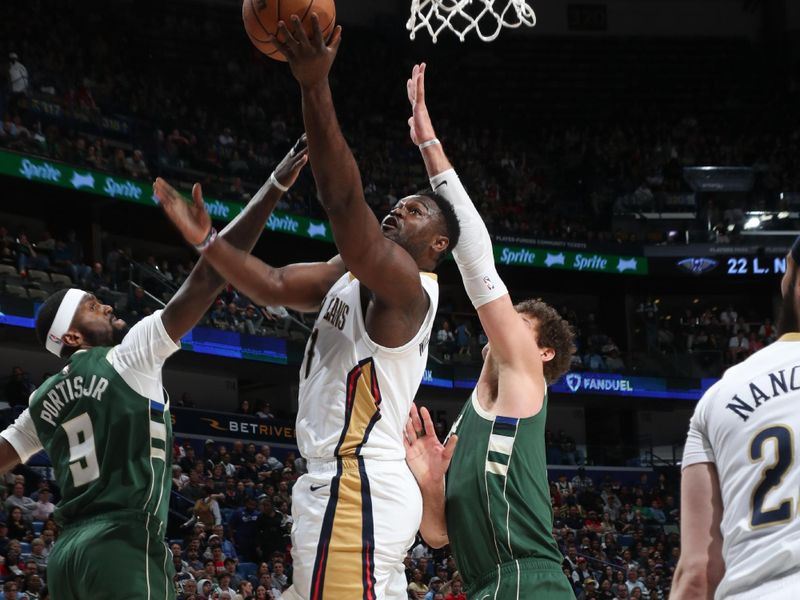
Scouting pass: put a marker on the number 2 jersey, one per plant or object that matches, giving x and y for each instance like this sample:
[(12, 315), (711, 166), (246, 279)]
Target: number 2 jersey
[(355, 395), (104, 422), (748, 425)]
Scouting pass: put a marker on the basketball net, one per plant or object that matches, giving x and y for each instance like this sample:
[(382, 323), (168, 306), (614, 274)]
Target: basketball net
[(464, 16)]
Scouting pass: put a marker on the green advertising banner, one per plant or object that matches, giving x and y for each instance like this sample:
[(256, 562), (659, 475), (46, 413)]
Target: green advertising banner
[(128, 190), (585, 260)]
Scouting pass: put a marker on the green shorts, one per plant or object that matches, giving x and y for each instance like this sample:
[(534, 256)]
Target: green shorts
[(524, 579), (119, 555)]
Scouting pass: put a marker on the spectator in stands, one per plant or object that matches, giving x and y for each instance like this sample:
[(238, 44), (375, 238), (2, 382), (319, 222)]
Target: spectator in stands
[(445, 340), (27, 257), (280, 581), (633, 581), (456, 592), (435, 586), (19, 500), (245, 527), (738, 347), (18, 527), (137, 303), (264, 412), (10, 590), (417, 589), (253, 320), (269, 527), (136, 167), (17, 80), (245, 591), (44, 508), (96, 281)]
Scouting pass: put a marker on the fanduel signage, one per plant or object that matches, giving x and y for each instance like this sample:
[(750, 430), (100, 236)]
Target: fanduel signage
[(610, 384)]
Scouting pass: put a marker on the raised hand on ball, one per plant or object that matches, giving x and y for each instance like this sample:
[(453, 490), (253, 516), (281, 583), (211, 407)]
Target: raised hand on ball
[(309, 58)]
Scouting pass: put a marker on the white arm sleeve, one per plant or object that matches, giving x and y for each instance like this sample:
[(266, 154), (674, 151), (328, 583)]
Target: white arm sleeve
[(698, 446), (142, 354), (23, 437), (474, 254)]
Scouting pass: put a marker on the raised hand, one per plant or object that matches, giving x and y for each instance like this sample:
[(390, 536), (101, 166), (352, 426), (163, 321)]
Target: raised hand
[(427, 458), (191, 218), (420, 121), (289, 168), (309, 59)]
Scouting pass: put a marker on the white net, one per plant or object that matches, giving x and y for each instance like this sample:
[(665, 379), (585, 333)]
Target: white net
[(485, 17)]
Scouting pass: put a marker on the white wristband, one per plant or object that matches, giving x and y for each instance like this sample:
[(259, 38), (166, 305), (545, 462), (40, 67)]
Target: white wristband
[(274, 181), (432, 142)]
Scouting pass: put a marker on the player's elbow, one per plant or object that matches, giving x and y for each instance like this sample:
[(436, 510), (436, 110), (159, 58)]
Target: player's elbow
[(434, 537)]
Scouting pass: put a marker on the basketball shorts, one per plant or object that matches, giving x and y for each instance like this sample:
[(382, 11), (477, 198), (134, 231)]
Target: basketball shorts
[(119, 555), (523, 579), (354, 521)]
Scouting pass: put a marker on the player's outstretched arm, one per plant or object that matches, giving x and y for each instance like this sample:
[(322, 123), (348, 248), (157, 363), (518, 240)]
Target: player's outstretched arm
[(420, 125), (380, 264), (508, 338), (701, 566), (227, 257), (429, 460)]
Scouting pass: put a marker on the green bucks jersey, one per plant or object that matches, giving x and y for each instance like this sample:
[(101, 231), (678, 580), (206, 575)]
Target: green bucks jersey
[(104, 422), (498, 498)]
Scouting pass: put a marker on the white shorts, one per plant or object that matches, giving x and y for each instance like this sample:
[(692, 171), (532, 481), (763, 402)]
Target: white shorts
[(354, 522), (782, 588)]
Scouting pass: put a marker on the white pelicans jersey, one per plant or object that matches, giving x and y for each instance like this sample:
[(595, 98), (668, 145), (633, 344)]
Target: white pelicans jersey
[(355, 395), (748, 425)]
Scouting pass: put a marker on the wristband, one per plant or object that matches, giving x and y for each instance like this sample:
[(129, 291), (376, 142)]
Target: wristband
[(432, 142), (274, 181), (212, 235)]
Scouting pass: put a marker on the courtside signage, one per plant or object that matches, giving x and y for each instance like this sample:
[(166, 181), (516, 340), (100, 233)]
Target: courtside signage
[(571, 261), (609, 384), (118, 188)]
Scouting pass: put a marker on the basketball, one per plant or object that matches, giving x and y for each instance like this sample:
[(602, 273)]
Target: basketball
[(261, 19)]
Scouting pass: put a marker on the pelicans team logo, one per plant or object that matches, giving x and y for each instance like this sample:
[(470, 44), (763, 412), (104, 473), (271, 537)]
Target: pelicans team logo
[(574, 381), (698, 266)]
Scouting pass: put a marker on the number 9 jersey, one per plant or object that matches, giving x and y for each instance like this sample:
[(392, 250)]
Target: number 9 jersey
[(104, 422), (748, 424)]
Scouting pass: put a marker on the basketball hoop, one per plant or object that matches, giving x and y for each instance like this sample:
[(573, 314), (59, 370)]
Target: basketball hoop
[(463, 16)]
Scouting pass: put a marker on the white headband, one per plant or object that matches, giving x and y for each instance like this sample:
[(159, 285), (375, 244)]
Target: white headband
[(66, 312)]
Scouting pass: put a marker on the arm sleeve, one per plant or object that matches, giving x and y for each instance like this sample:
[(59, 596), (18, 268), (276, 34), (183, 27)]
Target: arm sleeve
[(474, 254), (216, 513), (698, 446), (23, 437)]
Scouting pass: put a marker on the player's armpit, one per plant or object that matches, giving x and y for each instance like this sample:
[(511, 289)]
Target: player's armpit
[(701, 566)]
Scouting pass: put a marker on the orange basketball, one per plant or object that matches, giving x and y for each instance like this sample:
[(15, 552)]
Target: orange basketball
[(261, 19)]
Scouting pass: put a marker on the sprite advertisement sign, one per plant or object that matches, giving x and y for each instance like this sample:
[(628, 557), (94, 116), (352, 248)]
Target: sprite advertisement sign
[(128, 190), (571, 261)]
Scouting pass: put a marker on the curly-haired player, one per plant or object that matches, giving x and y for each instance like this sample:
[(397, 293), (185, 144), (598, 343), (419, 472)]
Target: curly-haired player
[(493, 502)]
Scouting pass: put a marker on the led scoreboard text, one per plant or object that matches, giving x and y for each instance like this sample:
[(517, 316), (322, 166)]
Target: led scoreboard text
[(754, 265), (733, 265)]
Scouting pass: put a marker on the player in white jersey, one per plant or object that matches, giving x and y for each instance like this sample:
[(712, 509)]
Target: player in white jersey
[(740, 528), (358, 509)]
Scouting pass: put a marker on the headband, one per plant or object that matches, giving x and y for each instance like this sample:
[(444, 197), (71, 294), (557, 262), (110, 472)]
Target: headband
[(66, 312)]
